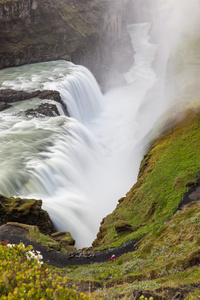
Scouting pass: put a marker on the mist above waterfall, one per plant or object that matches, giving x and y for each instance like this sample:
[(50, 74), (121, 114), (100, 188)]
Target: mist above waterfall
[(174, 29), (80, 166)]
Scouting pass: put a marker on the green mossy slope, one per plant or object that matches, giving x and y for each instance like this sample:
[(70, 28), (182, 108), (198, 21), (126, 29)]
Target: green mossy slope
[(167, 256), (166, 261), (171, 162)]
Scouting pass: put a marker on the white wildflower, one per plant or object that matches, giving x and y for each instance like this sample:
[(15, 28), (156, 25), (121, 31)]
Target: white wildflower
[(31, 254)]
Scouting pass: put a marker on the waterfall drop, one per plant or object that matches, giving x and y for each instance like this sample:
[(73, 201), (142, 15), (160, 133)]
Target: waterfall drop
[(79, 166)]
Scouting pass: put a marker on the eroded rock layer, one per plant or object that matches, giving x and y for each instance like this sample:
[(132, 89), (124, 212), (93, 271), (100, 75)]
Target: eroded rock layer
[(91, 33), (26, 211)]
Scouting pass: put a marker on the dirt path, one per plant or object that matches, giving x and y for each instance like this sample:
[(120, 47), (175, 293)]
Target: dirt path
[(62, 260)]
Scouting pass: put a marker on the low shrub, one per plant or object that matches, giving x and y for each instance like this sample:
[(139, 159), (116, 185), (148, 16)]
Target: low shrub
[(23, 276)]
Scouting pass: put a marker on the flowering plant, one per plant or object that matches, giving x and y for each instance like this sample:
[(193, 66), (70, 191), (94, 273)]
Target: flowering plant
[(24, 277)]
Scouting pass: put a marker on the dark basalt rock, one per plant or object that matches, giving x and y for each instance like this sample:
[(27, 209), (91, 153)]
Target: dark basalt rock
[(44, 109), (193, 193), (30, 232), (37, 31), (4, 105), (63, 236), (26, 211), (10, 96)]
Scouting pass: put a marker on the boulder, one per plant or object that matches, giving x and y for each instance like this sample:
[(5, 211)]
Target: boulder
[(44, 109), (65, 239), (19, 229), (122, 225), (4, 105)]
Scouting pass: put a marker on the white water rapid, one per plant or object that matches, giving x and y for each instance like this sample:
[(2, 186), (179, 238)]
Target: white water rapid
[(79, 166)]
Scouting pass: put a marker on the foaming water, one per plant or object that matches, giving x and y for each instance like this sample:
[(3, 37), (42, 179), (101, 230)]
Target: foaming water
[(79, 166), (77, 86)]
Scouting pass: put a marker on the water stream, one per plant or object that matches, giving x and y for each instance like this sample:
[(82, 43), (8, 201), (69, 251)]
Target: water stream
[(79, 166)]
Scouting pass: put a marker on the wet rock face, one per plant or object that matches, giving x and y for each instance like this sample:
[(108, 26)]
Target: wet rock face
[(9, 95), (45, 109), (109, 52), (4, 105), (92, 33)]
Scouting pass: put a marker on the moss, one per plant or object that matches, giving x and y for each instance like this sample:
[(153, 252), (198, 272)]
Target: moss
[(44, 240), (163, 261), (171, 162), (27, 211), (68, 241), (121, 226)]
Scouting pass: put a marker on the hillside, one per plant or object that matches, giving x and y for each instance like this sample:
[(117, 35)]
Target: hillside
[(171, 162), (166, 261), (155, 212), (167, 257)]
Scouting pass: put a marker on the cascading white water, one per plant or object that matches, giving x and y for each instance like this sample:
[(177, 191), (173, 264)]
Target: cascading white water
[(78, 166), (77, 86)]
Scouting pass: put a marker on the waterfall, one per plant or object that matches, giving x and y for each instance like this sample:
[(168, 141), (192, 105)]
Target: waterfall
[(77, 86), (79, 166)]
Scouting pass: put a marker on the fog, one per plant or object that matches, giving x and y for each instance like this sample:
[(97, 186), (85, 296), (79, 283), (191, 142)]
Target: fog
[(81, 166), (175, 31)]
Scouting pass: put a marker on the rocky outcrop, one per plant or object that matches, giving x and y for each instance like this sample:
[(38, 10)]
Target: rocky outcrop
[(44, 109), (92, 33), (30, 232), (121, 226), (4, 105), (9, 96), (65, 240), (25, 211)]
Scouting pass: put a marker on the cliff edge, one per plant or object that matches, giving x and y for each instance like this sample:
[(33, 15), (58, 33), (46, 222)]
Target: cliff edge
[(91, 33)]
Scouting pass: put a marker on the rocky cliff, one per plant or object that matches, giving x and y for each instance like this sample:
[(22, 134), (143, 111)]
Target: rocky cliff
[(25, 211), (91, 33)]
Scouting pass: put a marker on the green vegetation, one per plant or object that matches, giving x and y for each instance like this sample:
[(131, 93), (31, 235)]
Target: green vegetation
[(167, 258), (171, 162), (44, 240), (168, 253), (27, 211), (23, 276)]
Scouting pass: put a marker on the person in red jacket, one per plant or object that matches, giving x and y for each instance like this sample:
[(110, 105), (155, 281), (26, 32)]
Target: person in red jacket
[(113, 257)]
